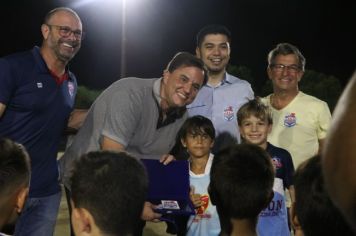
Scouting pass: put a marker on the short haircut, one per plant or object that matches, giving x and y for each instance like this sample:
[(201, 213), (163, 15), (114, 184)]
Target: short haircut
[(241, 181), (112, 186), (212, 29), (51, 13), (197, 125), (286, 49), (14, 167), (316, 212), (185, 59), (255, 108)]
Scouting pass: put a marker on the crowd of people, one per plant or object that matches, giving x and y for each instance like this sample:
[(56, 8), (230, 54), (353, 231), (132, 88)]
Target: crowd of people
[(242, 150)]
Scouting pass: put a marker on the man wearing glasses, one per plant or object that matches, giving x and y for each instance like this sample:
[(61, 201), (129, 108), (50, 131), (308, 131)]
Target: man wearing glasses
[(300, 121), (37, 93)]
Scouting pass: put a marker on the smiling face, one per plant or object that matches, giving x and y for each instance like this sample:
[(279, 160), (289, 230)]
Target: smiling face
[(255, 130), (180, 87), (198, 144), (285, 78), (215, 52), (64, 48)]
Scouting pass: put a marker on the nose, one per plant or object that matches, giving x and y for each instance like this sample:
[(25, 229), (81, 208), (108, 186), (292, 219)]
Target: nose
[(199, 139), (254, 127), (216, 51), (188, 88)]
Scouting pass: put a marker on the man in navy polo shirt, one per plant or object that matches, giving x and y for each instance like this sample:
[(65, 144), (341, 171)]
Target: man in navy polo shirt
[(37, 94)]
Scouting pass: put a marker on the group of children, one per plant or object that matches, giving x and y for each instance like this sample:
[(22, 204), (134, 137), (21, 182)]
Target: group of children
[(239, 191), (255, 122)]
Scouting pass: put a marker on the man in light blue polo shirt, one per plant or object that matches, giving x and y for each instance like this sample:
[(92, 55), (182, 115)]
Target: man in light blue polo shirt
[(220, 99)]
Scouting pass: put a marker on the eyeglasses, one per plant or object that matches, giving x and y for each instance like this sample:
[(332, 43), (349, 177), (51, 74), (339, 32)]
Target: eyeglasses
[(281, 67), (66, 31)]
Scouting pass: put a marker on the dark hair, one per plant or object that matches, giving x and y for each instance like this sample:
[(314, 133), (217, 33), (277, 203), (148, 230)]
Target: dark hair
[(197, 125), (254, 108), (316, 213), (112, 187), (51, 13), (212, 29), (286, 49), (185, 59), (241, 182), (14, 166)]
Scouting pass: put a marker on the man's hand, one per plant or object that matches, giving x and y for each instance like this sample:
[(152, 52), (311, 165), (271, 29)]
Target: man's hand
[(148, 214), (166, 159)]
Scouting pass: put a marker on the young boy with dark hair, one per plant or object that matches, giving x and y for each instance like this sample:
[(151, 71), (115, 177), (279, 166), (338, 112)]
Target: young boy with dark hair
[(14, 181), (313, 212), (197, 137), (108, 193), (241, 182), (255, 123)]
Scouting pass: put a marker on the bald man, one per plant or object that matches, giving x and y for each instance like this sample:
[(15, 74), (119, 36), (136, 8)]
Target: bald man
[(37, 93)]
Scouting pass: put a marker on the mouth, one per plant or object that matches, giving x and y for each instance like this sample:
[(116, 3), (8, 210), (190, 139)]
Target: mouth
[(182, 96), (216, 60)]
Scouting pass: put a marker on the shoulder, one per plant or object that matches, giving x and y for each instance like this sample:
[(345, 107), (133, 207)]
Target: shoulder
[(17, 59), (280, 152), (309, 98), (234, 80)]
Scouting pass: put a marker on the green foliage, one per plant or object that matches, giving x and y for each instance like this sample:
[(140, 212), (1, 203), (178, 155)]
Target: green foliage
[(324, 87), (85, 97), (243, 72)]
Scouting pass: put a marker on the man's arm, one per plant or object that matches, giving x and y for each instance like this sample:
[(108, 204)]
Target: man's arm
[(2, 108), (109, 144), (339, 154), (77, 118)]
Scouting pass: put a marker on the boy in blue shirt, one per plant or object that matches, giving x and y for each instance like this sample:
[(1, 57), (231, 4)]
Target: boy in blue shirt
[(255, 123)]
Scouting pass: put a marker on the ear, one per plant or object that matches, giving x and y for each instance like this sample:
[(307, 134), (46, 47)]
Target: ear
[(45, 31), (212, 144), (241, 131), (183, 142), (295, 221), (166, 74), (269, 73), (269, 199), (300, 75), (21, 198), (197, 52), (269, 129), (82, 221)]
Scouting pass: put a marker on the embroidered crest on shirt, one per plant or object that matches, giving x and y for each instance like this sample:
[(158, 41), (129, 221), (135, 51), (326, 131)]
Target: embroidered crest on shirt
[(201, 212), (71, 88), (228, 113), (290, 120), (39, 85), (276, 163)]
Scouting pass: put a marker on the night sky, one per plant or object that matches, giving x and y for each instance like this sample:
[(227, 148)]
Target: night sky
[(156, 29)]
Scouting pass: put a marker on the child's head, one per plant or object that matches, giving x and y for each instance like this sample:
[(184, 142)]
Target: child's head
[(108, 193), (241, 181), (197, 134), (14, 180), (313, 207), (255, 122)]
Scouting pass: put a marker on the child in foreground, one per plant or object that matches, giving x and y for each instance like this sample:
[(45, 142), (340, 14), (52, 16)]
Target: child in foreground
[(241, 185), (255, 123)]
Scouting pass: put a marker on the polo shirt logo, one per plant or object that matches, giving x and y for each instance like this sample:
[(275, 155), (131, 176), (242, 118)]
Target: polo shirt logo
[(39, 85), (228, 113), (290, 120), (71, 88)]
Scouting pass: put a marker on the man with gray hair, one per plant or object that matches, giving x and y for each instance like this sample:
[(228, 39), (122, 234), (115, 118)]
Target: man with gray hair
[(300, 121)]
